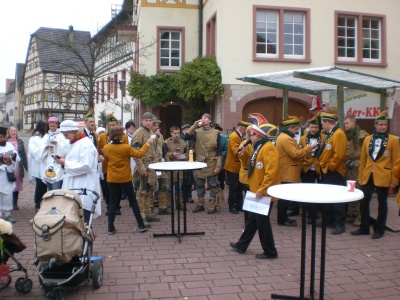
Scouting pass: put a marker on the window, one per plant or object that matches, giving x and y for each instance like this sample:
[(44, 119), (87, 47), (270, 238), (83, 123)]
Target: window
[(281, 34), (211, 36), (57, 78), (360, 39), (170, 50), (53, 97), (82, 99)]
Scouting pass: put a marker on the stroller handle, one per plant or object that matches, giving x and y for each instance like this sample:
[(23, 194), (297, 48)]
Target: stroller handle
[(83, 191)]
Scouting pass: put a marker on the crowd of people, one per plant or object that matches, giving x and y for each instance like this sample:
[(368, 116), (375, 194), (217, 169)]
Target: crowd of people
[(114, 161)]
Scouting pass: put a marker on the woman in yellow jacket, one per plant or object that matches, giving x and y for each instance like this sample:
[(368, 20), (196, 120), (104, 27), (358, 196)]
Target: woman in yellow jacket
[(119, 174)]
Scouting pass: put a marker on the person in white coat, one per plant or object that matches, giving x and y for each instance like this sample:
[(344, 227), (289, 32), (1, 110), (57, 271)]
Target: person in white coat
[(8, 160), (54, 144), (80, 166), (35, 151)]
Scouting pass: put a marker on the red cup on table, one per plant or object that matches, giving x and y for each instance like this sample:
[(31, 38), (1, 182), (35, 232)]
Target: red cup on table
[(351, 184)]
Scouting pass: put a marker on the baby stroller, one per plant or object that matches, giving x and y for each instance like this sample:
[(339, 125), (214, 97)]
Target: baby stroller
[(63, 243), (10, 244)]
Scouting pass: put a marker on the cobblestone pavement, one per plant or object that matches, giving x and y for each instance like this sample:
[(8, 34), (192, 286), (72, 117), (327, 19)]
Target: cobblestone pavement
[(139, 266)]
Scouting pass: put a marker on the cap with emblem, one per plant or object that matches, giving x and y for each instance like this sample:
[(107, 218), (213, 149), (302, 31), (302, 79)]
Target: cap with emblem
[(314, 120), (291, 121), (185, 126), (112, 118), (68, 125), (243, 123), (328, 116), (208, 116), (381, 117), (147, 115), (89, 114), (156, 121)]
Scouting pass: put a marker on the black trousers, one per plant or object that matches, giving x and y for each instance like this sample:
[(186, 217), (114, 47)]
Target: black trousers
[(336, 213), (311, 176), (263, 225), (115, 196), (187, 185), (235, 198), (106, 191), (40, 190), (383, 192), (283, 206), (221, 179)]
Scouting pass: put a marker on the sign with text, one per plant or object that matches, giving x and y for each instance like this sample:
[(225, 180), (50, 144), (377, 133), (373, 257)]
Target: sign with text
[(366, 105)]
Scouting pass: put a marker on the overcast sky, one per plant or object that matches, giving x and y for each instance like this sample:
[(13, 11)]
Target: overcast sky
[(19, 19)]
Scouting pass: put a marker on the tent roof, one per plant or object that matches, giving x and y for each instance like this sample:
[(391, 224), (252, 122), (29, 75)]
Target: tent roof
[(312, 81)]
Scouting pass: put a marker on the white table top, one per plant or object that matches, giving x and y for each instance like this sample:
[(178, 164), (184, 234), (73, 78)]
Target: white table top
[(177, 166), (314, 193)]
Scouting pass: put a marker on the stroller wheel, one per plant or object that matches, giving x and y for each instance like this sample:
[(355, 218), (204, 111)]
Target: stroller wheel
[(97, 273), (23, 285)]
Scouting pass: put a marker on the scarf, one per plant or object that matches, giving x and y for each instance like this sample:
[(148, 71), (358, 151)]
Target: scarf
[(257, 147), (353, 135), (288, 132), (74, 140), (326, 141), (378, 135)]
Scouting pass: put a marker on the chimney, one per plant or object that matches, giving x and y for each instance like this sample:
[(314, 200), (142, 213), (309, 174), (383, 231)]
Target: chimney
[(71, 34)]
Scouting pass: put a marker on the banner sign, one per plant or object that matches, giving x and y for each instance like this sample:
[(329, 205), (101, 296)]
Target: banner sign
[(366, 105)]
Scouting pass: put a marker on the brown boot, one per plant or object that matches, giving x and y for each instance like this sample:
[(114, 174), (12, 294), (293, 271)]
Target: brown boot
[(200, 205), (212, 208)]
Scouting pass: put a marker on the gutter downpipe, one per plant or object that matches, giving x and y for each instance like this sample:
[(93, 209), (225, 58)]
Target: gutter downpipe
[(200, 27)]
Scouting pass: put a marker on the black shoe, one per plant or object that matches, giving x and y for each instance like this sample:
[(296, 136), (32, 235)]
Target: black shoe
[(377, 235), (234, 247), (118, 212), (338, 230), (359, 232), (142, 229), (234, 211), (111, 232), (288, 222), (266, 256), (198, 209)]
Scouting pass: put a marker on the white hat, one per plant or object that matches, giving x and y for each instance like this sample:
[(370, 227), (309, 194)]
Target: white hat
[(68, 125), (100, 129)]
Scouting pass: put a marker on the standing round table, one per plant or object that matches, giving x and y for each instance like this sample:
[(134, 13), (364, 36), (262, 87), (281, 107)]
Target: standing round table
[(172, 166), (312, 194)]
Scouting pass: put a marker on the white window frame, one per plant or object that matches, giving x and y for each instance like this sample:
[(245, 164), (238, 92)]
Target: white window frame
[(53, 97), (272, 25), (170, 49)]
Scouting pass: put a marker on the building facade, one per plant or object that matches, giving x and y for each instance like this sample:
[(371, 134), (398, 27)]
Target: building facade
[(56, 81), (255, 36)]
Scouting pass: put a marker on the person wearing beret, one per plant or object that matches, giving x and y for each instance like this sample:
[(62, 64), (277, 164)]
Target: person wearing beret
[(232, 167), (331, 156), (379, 154)]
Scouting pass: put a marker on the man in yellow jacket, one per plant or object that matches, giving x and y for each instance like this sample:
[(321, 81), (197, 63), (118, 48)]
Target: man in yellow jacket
[(290, 157), (263, 173), (232, 168), (379, 154), (331, 156)]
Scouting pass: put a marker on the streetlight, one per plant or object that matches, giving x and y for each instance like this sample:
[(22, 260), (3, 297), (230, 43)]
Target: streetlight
[(122, 86)]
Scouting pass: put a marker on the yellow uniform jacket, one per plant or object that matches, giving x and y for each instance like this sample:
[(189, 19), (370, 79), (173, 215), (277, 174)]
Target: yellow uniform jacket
[(396, 172), (265, 172), (290, 158), (309, 159), (118, 157), (232, 163), (382, 166), (334, 153), (103, 140)]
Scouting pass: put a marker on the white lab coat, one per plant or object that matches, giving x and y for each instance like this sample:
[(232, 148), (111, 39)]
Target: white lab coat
[(47, 161), (7, 187), (35, 151), (81, 172)]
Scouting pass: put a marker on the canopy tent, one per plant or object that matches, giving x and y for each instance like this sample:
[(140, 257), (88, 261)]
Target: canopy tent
[(315, 80)]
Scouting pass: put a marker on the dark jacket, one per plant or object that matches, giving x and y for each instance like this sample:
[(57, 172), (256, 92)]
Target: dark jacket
[(23, 163)]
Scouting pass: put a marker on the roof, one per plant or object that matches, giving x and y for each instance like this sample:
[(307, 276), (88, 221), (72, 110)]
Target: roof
[(57, 54), (312, 81), (285, 80), (348, 78)]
